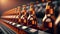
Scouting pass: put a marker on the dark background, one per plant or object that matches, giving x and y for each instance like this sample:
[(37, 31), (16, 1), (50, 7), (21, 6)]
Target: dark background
[(9, 4)]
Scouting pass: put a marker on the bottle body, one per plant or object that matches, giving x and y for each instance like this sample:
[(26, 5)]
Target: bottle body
[(32, 21), (24, 15), (49, 19)]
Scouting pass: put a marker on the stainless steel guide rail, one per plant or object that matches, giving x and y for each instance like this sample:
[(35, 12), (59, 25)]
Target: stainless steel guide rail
[(6, 30)]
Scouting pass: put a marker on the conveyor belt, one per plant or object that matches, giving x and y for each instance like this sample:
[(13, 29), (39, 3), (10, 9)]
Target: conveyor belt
[(25, 28), (6, 30)]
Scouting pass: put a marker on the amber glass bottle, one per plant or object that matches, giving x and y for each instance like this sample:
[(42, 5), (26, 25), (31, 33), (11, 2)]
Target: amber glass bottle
[(24, 15), (32, 21), (49, 18), (19, 14), (56, 25)]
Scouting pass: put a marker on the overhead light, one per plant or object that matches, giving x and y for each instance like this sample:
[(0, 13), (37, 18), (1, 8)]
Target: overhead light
[(3, 1)]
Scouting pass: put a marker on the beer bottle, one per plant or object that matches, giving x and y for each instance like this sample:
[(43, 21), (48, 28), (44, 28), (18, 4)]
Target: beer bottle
[(57, 23), (32, 22), (19, 14), (24, 15), (49, 18)]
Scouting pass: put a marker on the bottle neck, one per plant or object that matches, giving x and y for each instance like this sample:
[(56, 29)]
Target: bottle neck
[(49, 11)]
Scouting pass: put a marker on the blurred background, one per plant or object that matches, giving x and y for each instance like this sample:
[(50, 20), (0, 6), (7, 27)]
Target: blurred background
[(11, 7)]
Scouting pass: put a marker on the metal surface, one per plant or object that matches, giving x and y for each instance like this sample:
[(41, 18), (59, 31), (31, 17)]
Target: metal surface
[(6, 30)]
